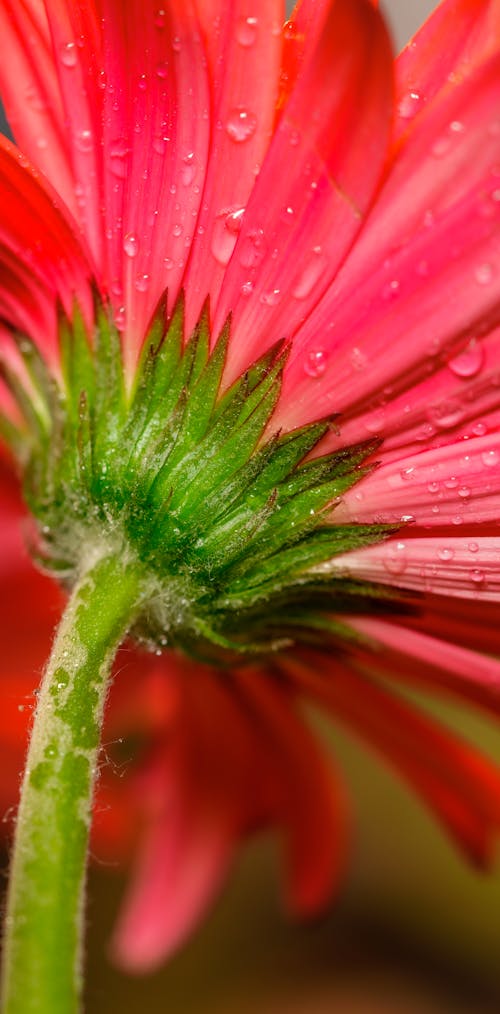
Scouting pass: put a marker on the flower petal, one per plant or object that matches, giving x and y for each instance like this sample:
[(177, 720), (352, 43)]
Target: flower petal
[(444, 565), (458, 784), (333, 134), (244, 53), (410, 656), (453, 484), (30, 92), (428, 256), (457, 36), (40, 252), (313, 809)]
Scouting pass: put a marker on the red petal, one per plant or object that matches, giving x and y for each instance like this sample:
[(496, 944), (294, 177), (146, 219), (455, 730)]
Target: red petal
[(458, 784), (332, 137), (244, 52)]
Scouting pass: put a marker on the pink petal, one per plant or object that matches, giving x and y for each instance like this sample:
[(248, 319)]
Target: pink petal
[(444, 565), (332, 136), (156, 130), (40, 253), (30, 92), (428, 256), (449, 485), (458, 784), (244, 52), (409, 656), (458, 36), (458, 400), (183, 861)]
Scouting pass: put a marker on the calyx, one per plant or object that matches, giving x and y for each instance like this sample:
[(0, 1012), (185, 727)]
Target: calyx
[(225, 524)]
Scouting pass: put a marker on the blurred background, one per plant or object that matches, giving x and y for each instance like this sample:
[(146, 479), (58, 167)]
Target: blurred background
[(414, 932)]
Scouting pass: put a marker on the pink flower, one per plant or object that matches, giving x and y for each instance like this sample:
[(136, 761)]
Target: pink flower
[(201, 148)]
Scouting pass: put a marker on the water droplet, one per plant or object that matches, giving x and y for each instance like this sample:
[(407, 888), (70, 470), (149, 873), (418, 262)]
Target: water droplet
[(84, 141), (490, 458), (315, 363), (177, 229), (35, 100), (253, 248), (310, 275), (227, 225), (69, 55), (160, 18), (358, 358), (395, 560), (390, 290), (241, 124), (120, 318), (162, 70), (477, 576), (188, 169), (176, 44), (131, 245), (246, 31), (447, 414), (271, 298), (169, 263), (473, 547), (464, 492), (118, 153), (483, 274), (479, 429), (409, 105), (142, 283), (446, 554), (468, 363), (246, 289)]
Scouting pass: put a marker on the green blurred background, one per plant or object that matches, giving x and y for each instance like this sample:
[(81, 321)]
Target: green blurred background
[(414, 931)]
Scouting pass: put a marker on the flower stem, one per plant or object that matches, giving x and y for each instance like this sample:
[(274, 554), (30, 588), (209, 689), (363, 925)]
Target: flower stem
[(45, 919)]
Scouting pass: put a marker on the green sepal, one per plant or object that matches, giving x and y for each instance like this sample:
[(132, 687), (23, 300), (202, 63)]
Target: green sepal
[(232, 520)]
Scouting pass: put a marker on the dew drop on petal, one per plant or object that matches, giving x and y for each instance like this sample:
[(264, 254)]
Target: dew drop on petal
[(271, 298), (311, 274), (162, 70), (84, 141), (118, 154), (241, 124), (315, 363), (473, 547), (395, 560), (131, 245), (253, 248), (409, 105), (483, 274), (188, 169), (477, 576), (468, 362), (447, 414), (226, 228), (69, 55), (358, 358), (246, 289), (445, 554), (177, 229), (490, 458), (120, 318), (142, 283), (160, 18), (246, 31)]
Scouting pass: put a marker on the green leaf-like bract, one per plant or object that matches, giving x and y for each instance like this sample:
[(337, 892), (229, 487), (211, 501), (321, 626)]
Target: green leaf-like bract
[(229, 523)]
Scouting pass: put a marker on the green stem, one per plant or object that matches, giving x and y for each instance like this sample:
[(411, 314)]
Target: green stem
[(45, 920)]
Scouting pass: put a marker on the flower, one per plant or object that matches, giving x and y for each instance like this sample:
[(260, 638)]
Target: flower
[(314, 196)]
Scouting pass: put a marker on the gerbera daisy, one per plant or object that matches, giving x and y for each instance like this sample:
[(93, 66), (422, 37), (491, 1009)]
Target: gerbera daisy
[(250, 304)]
